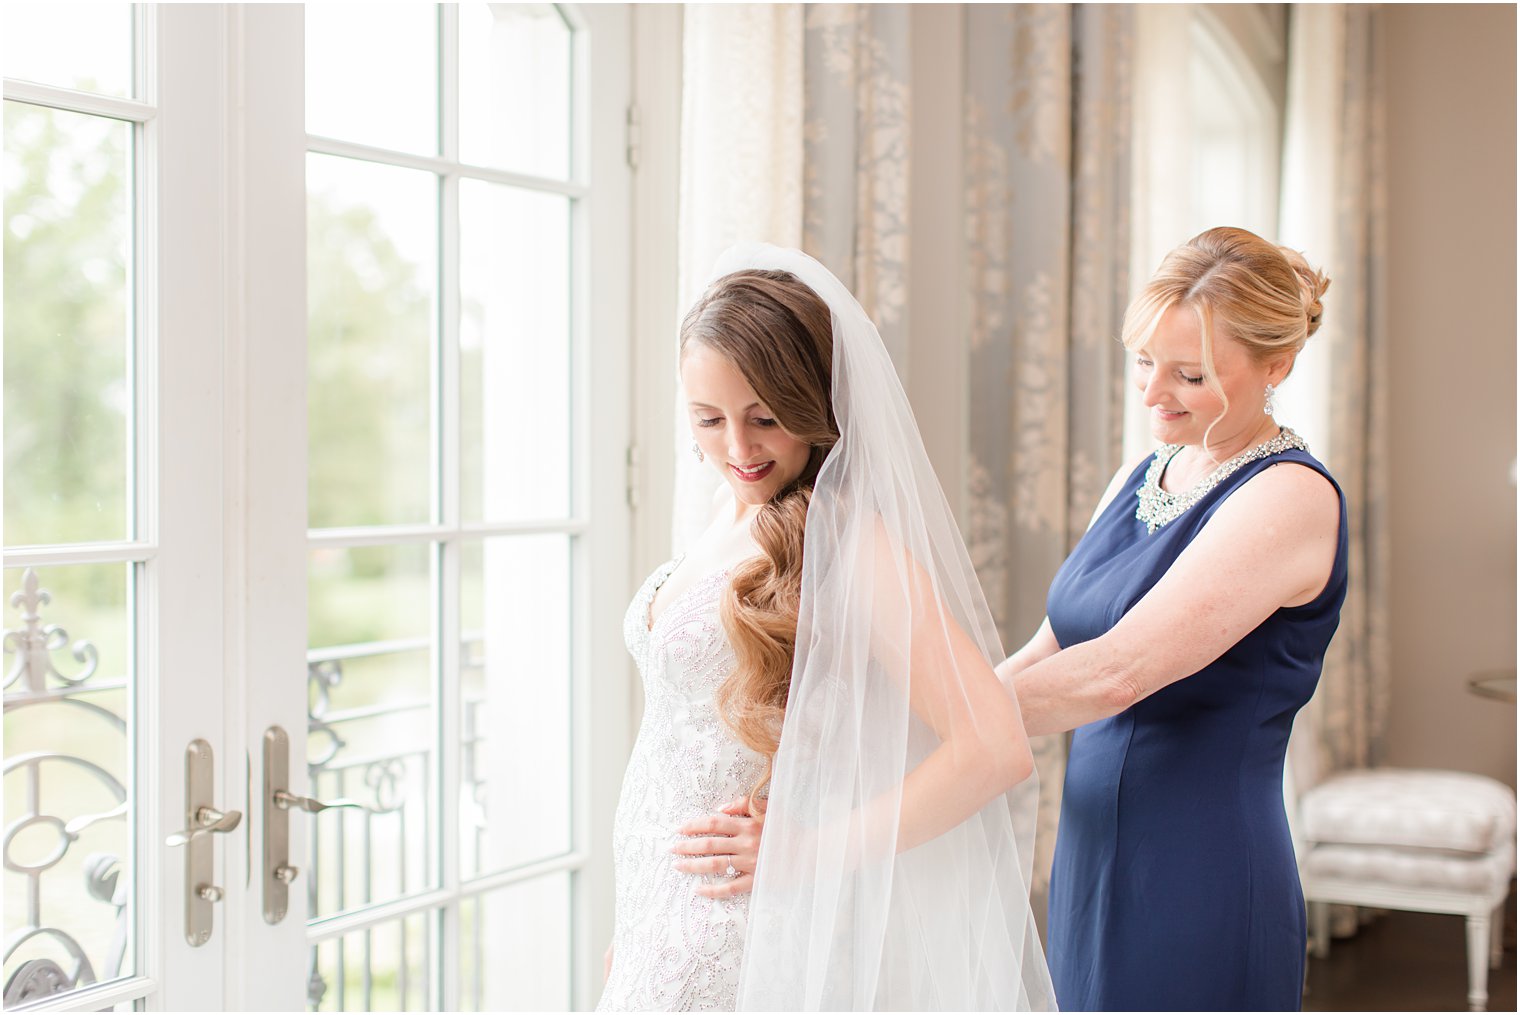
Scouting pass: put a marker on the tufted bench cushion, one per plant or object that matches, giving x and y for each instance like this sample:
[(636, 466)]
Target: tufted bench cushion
[(1436, 870), (1412, 808)]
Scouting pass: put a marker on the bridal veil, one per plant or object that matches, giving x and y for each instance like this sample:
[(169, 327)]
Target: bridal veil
[(840, 919)]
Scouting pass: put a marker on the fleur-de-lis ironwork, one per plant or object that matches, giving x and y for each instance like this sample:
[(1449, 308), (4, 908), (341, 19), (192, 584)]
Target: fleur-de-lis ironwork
[(34, 643), (33, 682)]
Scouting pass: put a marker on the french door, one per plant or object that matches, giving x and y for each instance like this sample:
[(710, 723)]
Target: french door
[(316, 419)]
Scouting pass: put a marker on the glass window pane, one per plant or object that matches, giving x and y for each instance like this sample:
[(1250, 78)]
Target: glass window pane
[(69, 897), (515, 947), (368, 594), (515, 680), (85, 46), (372, 74), (383, 968), (372, 282), (371, 725), (514, 335), (514, 88), (68, 331), (1222, 132)]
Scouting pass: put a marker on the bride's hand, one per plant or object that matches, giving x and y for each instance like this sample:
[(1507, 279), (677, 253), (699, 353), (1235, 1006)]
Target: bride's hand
[(731, 837)]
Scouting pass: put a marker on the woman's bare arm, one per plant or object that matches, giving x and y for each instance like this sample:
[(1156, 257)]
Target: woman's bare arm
[(1044, 645), (1271, 544), (951, 687)]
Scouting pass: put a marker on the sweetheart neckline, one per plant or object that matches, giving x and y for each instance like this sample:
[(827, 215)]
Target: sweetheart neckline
[(650, 621)]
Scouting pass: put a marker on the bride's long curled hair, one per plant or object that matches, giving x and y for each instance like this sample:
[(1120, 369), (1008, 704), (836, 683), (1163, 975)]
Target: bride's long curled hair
[(780, 336)]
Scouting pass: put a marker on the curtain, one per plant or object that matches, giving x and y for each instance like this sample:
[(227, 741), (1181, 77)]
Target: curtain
[(794, 131), (1334, 194), (1045, 154), (855, 157), (1047, 164), (741, 173), (1334, 207), (1161, 213)]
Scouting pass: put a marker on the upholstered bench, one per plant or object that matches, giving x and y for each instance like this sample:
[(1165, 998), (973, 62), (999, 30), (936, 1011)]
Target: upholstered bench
[(1413, 839)]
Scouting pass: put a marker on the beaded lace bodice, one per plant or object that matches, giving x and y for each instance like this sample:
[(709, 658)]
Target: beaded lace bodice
[(674, 950)]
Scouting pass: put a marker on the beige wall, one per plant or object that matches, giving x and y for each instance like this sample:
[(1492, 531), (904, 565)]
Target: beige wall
[(1451, 342)]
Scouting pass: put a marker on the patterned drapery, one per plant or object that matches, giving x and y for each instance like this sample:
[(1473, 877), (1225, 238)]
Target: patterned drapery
[(855, 156), (741, 173), (795, 131), (1334, 205), (1334, 208), (1046, 245), (1047, 183)]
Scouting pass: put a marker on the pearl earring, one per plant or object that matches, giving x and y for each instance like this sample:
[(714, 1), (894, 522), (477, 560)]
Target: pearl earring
[(696, 449), (1270, 408)]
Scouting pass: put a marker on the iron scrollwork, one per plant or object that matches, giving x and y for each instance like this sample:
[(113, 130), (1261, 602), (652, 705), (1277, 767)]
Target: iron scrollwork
[(33, 680)]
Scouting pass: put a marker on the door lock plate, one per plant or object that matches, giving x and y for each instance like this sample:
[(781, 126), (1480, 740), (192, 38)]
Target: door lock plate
[(277, 873), (202, 823)]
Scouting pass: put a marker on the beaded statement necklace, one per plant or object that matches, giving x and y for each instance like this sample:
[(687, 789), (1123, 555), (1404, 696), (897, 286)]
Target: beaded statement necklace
[(1157, 507)]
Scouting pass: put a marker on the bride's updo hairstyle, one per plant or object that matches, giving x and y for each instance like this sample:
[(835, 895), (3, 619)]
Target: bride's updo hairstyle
[(1263, 296), (780, 336)]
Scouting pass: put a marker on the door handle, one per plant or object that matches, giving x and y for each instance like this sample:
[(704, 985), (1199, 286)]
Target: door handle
[(202, 821), (286, 800), (209, 821), (279, 801)]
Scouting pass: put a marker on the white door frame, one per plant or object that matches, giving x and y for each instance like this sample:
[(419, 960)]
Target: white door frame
[(185, 238), (604, 572), (266, 552)]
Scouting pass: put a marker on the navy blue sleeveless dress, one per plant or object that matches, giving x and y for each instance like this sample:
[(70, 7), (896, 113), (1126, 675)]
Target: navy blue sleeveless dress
[(1174, 885)]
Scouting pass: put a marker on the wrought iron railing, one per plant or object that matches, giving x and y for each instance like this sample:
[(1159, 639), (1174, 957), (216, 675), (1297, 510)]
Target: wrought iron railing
[(395, 790), (395, 785), (59, 803)]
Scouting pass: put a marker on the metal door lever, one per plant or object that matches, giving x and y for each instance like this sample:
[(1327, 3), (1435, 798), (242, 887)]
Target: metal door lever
[(285, 800), (209, 821)]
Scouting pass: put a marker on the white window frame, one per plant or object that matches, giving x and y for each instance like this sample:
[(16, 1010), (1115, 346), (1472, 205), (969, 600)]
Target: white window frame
[(656, 149), (1242, 48), (1255, 126)]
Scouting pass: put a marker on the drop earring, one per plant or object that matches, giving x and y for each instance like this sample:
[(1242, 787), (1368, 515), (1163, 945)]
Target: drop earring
[(696, 449), (1270, 408)]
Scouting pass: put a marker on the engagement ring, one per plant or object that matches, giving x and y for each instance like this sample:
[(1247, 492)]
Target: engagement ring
[(731, 872)]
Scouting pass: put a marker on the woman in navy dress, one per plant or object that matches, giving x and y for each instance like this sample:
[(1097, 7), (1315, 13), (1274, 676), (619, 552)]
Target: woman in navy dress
[(1183, 633)]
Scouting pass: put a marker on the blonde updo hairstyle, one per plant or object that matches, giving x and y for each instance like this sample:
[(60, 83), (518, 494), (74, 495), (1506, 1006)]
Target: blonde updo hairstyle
[(780, 336), (1263, 296)]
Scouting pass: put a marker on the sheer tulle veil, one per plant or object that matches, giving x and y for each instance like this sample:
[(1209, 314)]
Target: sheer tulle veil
[(840, 919)]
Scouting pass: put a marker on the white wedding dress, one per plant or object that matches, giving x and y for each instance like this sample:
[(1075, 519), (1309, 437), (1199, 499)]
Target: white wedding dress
[(674, 950)]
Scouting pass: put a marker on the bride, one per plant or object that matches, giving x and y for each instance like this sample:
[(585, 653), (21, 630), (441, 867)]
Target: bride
[(821, 653)]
